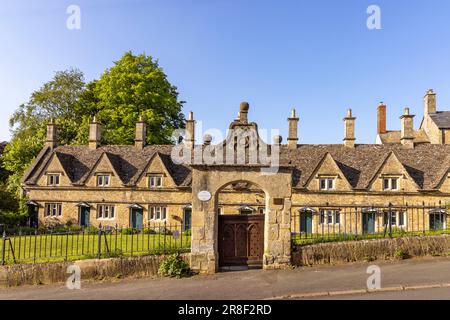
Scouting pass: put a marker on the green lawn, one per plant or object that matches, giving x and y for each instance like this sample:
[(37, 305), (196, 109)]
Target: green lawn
[(60, 247)]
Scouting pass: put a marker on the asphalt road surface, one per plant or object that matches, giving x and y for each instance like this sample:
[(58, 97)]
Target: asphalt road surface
[(260, 284)]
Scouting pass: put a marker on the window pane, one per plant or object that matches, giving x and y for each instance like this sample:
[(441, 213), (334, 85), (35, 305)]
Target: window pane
[(330, 217), (322, 216), (394, 184), (322, 184), (386, 184), (401, 219), (330, 183), (337, 217)]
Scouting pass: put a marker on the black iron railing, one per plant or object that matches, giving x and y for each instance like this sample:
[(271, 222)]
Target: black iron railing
[(33, 245), (315, 223)]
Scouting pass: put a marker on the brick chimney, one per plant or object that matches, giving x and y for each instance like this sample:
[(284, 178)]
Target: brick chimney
[(430, 102), (293, 130), (52, 135), (407, 131), (243, 112), (141, 134), (349, 130), (190, 130), (95, 134), (381, 118)]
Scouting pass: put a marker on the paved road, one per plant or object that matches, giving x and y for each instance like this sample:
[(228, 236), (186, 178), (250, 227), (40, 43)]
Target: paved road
[(259, 284)]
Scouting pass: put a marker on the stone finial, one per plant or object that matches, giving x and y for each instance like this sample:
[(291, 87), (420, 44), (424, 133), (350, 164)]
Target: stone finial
[(207, 139), (277, 139), (243, 112)]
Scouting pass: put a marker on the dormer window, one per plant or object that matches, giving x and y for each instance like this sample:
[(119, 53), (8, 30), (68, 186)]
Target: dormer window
[(155, 181), (327, 183), (103, 180), (390, 184), (53, 179)]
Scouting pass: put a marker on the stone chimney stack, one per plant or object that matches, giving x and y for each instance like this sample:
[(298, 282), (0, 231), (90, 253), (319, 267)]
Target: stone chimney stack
[(190, 130), (52, 135), (381, 118), (95, 135), (141, 134), (293, 130), (243, 112), (349, 130), (407, 131), (430, 102)]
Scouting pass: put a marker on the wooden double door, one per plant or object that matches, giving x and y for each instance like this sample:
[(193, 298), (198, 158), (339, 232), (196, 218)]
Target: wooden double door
[(241, 240)]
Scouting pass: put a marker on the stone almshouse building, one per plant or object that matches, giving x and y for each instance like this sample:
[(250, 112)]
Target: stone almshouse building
[(131, 185)]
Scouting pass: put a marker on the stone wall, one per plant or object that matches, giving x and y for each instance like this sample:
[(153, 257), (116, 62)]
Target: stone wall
[(370, 250), (56, 272)]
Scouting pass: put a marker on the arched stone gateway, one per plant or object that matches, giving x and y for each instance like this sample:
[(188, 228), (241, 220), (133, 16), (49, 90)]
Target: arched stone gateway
[(205, 220)]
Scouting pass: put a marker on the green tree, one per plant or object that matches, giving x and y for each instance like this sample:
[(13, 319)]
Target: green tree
[(134, 87), (57, 99)]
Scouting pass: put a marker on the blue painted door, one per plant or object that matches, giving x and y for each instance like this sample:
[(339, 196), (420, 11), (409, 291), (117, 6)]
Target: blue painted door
[(137, 218)]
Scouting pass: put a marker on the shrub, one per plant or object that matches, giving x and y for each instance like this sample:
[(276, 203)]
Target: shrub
[(149, 231), (188, 232), (130, 231), (401, 254), (174, 266)]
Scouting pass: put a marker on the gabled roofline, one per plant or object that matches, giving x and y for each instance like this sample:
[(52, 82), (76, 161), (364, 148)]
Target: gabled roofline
[(34, 165), (106, 154), (377, 173), (327, 154), (144, 170)]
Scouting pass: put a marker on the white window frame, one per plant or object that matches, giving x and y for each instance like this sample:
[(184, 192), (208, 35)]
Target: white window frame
[(327, 182), (219, 210), (389, 186), (106, 212), (396, 216), (155, 181), (51, 177), (53, 209), (157, 213), (326, 214), (103, 180)]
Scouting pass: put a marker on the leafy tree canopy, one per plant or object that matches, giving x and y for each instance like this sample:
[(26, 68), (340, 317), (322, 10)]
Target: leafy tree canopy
[(134, 87)]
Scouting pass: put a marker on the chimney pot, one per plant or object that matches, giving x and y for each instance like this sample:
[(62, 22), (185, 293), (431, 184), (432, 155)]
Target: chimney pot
[(141, 133), (94, 134), (293, 130), (190, 130), (349, 130), (430, 102), (52, 134), (381, 118)]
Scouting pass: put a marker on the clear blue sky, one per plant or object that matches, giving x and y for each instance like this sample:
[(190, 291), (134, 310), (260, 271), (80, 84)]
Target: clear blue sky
[(317, 56)]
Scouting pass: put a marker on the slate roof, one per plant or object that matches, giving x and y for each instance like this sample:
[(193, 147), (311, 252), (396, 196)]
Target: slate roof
[(441, 119), (426, 163), (394, 136)]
